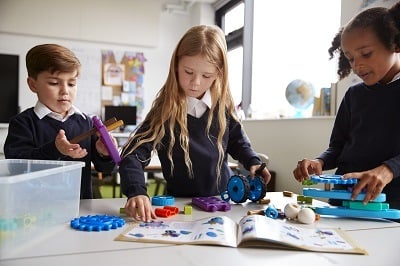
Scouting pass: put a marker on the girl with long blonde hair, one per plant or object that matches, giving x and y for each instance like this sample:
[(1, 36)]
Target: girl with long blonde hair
[(191, 126)]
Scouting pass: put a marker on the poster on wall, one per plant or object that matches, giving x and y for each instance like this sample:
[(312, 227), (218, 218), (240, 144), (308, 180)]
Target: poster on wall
[(124, 79), (113, 74), (89, 80)]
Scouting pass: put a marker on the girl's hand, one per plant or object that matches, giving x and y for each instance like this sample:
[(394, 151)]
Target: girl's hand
[(67, 148), (261, 171), (373, 181), (139, 208), (307, 167)]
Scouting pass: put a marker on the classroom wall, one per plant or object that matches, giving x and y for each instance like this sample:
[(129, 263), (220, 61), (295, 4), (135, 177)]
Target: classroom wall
[(286, 141), (25, 23)]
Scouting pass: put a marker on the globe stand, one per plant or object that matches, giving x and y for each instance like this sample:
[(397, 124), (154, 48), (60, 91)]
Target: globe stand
[(299, 114)]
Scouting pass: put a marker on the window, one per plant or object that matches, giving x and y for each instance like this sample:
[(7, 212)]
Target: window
[(230, 18), (290, 41)]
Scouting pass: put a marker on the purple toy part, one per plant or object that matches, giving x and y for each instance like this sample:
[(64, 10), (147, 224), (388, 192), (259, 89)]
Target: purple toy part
[(106, 139), (211, 204)]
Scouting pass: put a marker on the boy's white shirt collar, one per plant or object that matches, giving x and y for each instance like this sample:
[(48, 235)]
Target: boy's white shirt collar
[(42, 110), (198, 107)]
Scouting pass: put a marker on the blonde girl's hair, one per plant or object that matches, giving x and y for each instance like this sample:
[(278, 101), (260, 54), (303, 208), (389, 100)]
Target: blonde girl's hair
[(169, 110)]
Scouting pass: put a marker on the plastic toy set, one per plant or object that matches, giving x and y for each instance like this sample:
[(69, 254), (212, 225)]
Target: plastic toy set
[(241, 188), (377, 208)]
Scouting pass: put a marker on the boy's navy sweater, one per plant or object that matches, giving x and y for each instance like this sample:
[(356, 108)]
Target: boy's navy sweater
[(32, 138), (366, 133), (203, 154)]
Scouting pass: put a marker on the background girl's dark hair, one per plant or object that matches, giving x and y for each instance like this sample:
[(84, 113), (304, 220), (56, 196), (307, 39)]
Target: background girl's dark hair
[(385, 23)]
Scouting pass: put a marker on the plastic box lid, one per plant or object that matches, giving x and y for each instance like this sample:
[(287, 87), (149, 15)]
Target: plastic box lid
[(19, 170)]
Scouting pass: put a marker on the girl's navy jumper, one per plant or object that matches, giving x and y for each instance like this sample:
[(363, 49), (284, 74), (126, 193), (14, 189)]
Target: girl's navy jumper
[(203, 154), (366, 133)]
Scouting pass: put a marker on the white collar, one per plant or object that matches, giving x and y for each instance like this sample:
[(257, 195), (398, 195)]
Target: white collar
[(42, 110), (197, 107)]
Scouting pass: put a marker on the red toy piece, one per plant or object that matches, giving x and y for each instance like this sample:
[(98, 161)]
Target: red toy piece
[(167, 211)]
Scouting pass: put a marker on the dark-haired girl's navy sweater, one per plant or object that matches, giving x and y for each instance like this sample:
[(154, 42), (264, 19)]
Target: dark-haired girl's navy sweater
[(203, 154), (32, 138), (366, 133)]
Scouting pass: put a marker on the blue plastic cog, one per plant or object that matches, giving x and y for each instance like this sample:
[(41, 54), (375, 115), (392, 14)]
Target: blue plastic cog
[(97, 223), (333, 179)]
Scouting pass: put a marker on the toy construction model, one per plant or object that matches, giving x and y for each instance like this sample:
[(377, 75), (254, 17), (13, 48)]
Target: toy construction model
[(377, 208), (241, 188), (102, 131)]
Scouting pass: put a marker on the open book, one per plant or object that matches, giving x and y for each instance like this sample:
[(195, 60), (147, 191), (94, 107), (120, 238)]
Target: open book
[(252, 231)]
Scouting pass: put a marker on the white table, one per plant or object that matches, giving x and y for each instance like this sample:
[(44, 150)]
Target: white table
[(65, 246)]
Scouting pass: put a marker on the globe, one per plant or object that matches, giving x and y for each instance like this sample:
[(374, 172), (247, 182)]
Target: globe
[(300, 94)]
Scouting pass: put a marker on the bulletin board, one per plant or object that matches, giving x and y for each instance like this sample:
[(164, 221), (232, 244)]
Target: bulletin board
[(122, 80), (89, 81)]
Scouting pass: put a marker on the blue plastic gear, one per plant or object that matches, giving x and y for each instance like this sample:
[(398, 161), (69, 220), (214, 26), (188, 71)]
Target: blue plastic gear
[(97, 223), (333, 179), (258, 188), (238, 188)]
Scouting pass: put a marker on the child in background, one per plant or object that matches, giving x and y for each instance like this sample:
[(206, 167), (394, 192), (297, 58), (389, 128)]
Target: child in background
[(42, 132), (191, 126), (365, 140)]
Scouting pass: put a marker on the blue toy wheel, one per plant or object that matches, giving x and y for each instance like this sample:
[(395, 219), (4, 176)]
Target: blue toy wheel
[(258, 188), (238, 188)]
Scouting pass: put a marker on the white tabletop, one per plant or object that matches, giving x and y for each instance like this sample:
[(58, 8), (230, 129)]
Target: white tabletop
[(64, 246)]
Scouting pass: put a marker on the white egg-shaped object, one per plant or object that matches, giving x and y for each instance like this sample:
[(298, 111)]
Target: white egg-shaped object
[(306, 216), (291, 210)]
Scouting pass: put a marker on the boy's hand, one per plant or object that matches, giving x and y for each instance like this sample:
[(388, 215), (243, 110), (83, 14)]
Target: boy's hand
[(101, 148), (139, 208), (307, 167), (68, 149), (373, 181)]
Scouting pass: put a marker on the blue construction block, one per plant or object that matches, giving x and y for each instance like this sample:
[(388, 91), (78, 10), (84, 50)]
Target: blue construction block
[(333, 179), (370, 206), (338, 194), (345, 212)]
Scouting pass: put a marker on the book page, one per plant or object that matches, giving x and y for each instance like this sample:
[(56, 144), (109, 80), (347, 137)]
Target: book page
[(258, 230), (217, 230)]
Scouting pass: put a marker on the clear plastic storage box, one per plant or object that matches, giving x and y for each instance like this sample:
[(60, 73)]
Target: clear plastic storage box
[(34, 195)]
